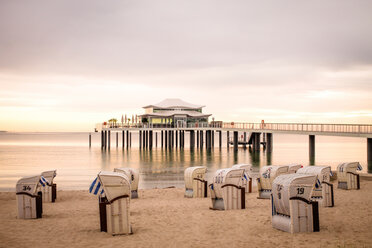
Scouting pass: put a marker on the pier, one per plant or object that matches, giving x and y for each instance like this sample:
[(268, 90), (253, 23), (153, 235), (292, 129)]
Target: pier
[(253, 135)]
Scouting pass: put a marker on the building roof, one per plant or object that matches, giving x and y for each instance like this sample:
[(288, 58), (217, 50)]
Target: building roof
[(174, 103), (175, 112)]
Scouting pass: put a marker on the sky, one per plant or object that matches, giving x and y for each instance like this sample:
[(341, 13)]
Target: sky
[(67, 65)]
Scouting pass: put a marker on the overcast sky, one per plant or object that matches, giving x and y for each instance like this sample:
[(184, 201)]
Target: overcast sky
[(66, 65)]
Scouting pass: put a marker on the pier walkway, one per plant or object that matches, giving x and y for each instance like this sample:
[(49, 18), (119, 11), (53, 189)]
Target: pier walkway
[(174, 136)]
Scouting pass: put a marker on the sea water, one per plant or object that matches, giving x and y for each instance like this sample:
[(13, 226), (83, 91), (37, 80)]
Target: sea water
[(77, 164)]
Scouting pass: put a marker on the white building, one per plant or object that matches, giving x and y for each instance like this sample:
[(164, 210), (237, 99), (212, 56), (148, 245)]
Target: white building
[(174, 112)]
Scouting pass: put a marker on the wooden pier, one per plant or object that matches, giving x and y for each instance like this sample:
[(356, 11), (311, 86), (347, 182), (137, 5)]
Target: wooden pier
[(254, 135)]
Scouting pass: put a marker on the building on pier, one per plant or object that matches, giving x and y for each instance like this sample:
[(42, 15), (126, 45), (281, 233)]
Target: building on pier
[(174, 112)]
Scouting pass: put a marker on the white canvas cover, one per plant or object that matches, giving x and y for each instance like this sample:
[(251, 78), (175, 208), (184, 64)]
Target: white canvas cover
[(226, 176), (195, 184), (292, 168), (248, 175), (47, 190), (28, 185), (323, 193), (132, 175), (194, 172), (347, 175), (27, 189), (114, 184), (49, 175), (269, 173), (291, 185)]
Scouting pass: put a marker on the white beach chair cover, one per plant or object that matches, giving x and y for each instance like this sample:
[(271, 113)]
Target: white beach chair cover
[(226, 176), (114, 184), (269, 173), (291, 185), (132, 175), (194, 172), (29, 185)]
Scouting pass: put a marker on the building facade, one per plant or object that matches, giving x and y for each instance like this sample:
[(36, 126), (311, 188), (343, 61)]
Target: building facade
[(174, 113)]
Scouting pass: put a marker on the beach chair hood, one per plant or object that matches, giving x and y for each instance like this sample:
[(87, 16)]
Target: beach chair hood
[(28, 185), (49, 175), (224, 177), (132, 175), (194, 172), (289, 186), (114, 184)]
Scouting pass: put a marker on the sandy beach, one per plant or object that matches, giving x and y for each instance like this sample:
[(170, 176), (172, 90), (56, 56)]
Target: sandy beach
[(164, 218)]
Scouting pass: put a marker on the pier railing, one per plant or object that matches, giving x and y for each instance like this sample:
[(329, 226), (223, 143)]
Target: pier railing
[(287, 127), (303, 127)]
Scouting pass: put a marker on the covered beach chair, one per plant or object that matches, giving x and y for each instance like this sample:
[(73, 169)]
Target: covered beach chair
[(292, 209), (133, 176), (29, 197), (323, 190), (247, 178), (195, 183), (50, 189), (267, 175), (114, 202), (347, 176), (226, 192), (292, 168)]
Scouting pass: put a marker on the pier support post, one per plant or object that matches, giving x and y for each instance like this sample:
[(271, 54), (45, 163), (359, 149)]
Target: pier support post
[(150, 139), (130, 139), (312, 149), (256, 141), (212, 131), (165, 138), (192, 139), (220, 139), (109, 140), (201, 139), (369, 154), (197, 138), (123, 138), (269, 142), (208, 139), (105, 139), (90, 140), (156, 139), (140, 139), (228, 139), (102, 139), (170, 139), (117, 139), (176, 138), (162, 138), (235, 140), (129, 144), (245, 140), (183, 138)]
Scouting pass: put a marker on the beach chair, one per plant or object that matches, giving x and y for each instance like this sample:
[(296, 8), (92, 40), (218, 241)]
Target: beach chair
[(114, 202), (247, 178), (292, 209), (267, 175), (292, 168), (195, 183), (323, 190), (347, 176), (133, 176), (29, 197), (50, 189), (226, 192)]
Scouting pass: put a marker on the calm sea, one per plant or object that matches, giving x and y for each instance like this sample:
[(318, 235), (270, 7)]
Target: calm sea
[(23, 154)]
